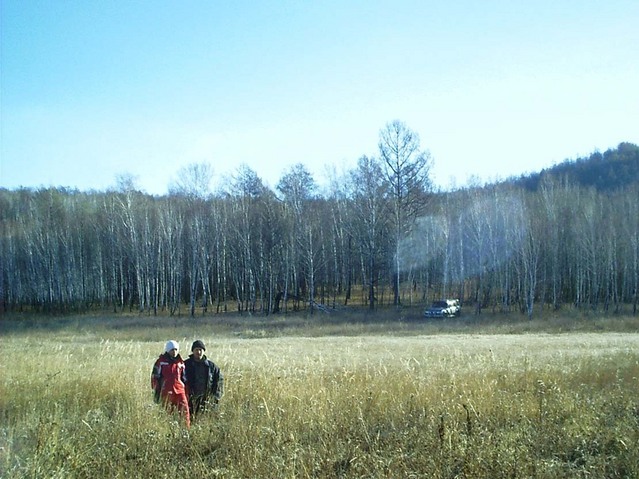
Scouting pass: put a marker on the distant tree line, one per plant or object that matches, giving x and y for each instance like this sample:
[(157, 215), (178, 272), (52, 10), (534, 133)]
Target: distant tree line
[(609, 171), (378, 236)]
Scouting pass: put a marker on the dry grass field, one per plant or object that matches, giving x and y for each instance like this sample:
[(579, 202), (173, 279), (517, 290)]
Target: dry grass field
[(324, 399)]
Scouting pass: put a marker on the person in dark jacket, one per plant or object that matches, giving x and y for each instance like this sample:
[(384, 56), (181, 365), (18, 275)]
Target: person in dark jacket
[(204, 380), (168, 381)]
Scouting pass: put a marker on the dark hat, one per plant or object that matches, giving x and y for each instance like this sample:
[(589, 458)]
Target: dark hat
[(198, 344)]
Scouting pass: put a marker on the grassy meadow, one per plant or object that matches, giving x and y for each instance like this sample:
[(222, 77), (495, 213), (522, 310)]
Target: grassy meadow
[(324, 398)]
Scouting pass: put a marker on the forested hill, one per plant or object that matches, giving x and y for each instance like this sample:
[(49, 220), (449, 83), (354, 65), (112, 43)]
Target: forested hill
[(612, 170)]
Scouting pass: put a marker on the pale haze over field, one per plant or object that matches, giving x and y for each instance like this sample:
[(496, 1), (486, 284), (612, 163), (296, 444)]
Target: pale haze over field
[(91, 90)]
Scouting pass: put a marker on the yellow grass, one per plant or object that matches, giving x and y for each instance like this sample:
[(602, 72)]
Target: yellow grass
[(76, 404)]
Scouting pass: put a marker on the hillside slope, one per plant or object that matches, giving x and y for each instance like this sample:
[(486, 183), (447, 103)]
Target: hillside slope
[(613, 170)]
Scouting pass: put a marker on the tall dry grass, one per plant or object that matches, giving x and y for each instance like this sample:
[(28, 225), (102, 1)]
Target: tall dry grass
[(76, 404)]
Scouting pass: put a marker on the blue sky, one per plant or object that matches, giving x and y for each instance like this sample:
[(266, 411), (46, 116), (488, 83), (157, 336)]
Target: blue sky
[(91, 90)]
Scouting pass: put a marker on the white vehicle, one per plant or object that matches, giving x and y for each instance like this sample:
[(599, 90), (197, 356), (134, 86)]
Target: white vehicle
[(445, 308)]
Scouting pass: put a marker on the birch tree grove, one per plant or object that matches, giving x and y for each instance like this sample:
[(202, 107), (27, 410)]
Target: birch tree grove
[(247, 248)]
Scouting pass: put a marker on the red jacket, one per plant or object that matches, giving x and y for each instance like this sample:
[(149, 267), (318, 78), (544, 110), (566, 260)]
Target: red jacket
[(168, 376)]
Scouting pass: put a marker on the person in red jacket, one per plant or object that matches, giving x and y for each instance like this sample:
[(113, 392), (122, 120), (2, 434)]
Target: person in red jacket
[(168, 381)]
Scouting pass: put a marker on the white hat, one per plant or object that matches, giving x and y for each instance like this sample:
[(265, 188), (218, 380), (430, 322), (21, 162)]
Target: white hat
[(171, 345)]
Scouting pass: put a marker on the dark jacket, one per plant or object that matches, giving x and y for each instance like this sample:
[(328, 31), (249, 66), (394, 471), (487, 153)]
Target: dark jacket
[(204, 380)]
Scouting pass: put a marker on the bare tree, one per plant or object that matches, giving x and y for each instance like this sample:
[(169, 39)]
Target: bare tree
[(193, 181), (297, 188), (194, 185), (371, 207), (245, 194), (171, 224), (342, 217), (630, 220), (407, 168)]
